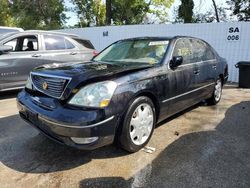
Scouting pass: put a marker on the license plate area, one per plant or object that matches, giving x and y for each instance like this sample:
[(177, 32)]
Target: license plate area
[(32, 116)]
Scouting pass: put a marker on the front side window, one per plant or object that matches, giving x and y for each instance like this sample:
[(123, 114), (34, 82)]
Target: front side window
[(183, 48), (12, 43), (23, 43), (57, 43), (134, 51)]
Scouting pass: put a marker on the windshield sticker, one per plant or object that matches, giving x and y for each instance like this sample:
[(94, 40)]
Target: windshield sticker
[(156, 43)]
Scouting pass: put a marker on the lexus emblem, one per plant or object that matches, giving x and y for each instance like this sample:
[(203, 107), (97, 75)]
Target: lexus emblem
[(45, 85)]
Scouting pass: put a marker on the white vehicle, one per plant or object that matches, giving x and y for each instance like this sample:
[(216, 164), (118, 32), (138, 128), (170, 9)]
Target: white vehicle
[(4, 30)]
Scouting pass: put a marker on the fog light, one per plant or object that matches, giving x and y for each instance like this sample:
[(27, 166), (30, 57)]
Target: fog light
[(87, 140)]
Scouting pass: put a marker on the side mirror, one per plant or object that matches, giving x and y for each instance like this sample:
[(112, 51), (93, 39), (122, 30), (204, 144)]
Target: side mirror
[(5, 49), (176, 61)]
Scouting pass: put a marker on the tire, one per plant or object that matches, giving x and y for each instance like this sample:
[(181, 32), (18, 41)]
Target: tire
[(138, 124), (217, 93)]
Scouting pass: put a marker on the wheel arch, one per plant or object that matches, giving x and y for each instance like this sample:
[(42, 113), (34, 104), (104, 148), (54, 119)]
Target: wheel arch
[(221, 76), (142, 93), (153, 98)]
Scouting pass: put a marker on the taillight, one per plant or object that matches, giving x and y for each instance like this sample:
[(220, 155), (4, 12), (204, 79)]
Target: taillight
[(95, 53)]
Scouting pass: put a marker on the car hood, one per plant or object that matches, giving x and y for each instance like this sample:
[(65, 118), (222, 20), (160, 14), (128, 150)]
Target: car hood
[(88, 72)]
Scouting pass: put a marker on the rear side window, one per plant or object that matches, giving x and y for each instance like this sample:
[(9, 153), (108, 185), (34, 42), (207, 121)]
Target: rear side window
[(85, 43), (69, 45), (202, 52), (57, 43)]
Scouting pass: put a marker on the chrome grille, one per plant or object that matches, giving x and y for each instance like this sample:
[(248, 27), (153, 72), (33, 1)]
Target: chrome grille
[(53, 86)]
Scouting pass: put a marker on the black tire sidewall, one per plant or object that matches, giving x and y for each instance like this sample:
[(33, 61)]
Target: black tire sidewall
[(124, 139)]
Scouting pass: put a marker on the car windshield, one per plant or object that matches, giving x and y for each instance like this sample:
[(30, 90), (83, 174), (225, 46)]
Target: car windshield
[(5, 35), (134, 51)]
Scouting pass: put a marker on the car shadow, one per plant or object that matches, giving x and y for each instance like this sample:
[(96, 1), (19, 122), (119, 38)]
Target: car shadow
[(24, 149), (216, 158)]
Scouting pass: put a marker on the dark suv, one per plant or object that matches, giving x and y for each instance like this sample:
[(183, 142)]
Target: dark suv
[(23, 51)]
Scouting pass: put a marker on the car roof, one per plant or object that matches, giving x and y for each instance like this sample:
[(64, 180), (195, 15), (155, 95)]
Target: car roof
[(52, 33), (11, 28), (159, 38)]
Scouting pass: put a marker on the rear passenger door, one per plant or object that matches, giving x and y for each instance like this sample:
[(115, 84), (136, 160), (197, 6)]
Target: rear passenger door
[(206, 65)]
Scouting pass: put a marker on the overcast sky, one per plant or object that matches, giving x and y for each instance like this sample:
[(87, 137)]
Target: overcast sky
[(200, 6)]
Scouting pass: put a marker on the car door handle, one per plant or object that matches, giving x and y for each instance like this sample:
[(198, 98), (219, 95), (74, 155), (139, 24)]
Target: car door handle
[(73, 53), (197, 72), (214, 66), (36, 55)]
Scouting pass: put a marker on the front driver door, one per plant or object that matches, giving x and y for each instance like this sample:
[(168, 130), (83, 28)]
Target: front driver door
[(180, 83)]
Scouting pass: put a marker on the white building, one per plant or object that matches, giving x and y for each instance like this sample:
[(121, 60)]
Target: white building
[(231, 40)]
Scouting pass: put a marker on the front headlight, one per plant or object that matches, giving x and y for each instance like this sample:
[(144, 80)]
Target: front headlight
[(29, 83), (95, 95)]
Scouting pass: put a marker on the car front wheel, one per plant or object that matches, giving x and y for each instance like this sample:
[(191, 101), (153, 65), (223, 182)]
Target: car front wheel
[(138, 124)]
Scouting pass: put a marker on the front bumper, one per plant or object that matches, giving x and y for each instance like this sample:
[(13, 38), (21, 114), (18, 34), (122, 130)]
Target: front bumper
[(61, 123)]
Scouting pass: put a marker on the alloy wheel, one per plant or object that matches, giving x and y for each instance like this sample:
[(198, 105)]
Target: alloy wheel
[(141, 124)]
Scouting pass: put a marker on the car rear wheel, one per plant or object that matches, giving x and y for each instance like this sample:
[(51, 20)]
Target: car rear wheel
[(138, 124), (216, 96)]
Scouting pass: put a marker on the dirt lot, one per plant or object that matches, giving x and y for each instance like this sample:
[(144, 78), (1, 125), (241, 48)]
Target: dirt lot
[(211, 150)]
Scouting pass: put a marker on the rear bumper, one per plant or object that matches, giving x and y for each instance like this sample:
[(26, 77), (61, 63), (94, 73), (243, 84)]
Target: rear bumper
[(57, 127)]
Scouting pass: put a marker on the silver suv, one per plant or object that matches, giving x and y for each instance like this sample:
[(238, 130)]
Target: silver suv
[(23, 51)]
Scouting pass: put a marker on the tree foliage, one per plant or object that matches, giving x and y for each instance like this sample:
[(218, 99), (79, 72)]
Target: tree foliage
[(32, 14), (185, 10), (50, 14), (240, 8), (210, 16), (128, 11), (38, 14), (121, 12), (90, 12), (5, 14), (159, 9)]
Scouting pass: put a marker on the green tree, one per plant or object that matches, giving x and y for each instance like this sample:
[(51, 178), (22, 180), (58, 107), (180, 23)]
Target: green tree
[(135, 11), (108, 12), (5, 14), (185, 11), (39, 14), (240, 8), (210, 16), (121, 12), (90, 12), (129, 11), (159, 9)]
